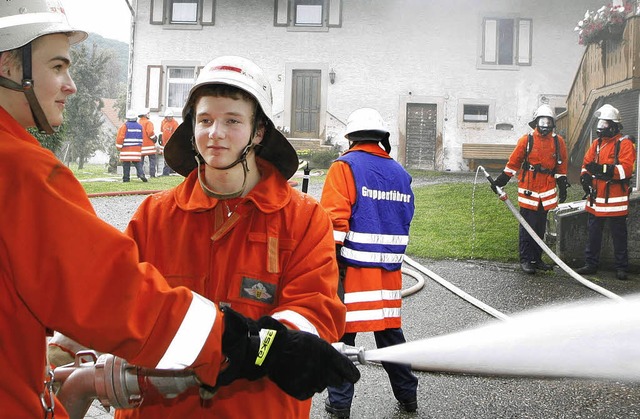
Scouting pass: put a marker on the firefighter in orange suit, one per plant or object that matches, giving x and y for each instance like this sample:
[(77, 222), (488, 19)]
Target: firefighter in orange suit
[(541, 158), (129, 144), (369, 198), (167, 127), (606, 171), (64, 269), (245, 238), (149, 140)]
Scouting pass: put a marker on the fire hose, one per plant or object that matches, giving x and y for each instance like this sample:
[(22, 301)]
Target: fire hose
[(502, 195)]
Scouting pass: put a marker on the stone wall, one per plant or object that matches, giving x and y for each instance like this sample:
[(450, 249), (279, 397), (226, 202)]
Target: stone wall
[(571, 237)]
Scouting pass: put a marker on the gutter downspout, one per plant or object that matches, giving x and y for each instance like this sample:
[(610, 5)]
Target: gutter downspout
[(131, 49)]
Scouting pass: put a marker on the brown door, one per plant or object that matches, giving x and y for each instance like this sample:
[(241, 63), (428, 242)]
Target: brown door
[(306, 104), (421, 135)]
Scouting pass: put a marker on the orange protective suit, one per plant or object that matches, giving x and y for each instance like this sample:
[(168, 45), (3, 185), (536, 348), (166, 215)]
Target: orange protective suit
[(612, 197), (62, 268), (273, 255), (538, 187), (148, 136), (359, 279), (167, 128)]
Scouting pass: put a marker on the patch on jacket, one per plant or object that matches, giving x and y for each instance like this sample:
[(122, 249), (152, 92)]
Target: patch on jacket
[(254, 289)]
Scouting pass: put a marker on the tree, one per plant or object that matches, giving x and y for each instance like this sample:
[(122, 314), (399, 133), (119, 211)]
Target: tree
[(83, 112), (53, 141)]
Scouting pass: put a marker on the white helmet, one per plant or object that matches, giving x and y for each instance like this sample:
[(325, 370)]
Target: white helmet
[(543, 110), (131, 115), (365, 119), (144, 112), (609, 113), (22, 21), (168, 112), (247, 76)]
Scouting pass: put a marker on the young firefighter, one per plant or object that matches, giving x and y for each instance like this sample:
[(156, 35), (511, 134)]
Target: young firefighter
[(245, 239), (129, 144), (149, 140), (607, 168), (541, 158), (64, 269), (168, 126), (369, 198)]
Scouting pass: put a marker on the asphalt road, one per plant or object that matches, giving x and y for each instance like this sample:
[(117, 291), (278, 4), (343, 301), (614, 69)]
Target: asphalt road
[(436, 311)]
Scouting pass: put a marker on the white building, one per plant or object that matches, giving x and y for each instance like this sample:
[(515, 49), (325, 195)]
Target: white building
[(441, 72)]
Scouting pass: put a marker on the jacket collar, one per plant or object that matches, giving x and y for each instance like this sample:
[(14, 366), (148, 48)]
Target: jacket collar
[(369, 148), (13, 127), (270, 194)]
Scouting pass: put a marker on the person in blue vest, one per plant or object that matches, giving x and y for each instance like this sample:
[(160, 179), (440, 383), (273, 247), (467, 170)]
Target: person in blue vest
[(369, 199), (129, 144)]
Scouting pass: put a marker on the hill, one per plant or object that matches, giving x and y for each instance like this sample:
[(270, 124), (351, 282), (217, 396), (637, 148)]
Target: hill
[(120, 61)]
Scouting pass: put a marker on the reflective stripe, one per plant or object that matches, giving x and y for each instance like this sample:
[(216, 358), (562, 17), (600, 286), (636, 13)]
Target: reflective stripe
[(339, 236), (613, 199), (368, 315), (298, 320), (28, 18), (601, 209), (370, 296), (537, 194), (507, 170), (373, 257), (621, 171), (191, 336), (377, 238)]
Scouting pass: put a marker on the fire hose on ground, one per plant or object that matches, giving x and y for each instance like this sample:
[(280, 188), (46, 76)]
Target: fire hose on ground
[(504, 198)]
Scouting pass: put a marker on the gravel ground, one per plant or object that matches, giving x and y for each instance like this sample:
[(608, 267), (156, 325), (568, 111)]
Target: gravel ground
[(434, 311)]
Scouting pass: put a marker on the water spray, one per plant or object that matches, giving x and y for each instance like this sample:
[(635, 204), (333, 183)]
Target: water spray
[(502, 195), (597, 340)]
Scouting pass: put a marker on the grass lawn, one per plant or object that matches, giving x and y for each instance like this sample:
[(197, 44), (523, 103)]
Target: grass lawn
[(453, 220)]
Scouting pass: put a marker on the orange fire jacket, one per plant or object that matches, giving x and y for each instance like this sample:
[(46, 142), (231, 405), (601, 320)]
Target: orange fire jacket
[(129, 153), (612, 198), (167, 127), (535, 188), (148, 136), (274, 255), (338, 197), (62, 268)]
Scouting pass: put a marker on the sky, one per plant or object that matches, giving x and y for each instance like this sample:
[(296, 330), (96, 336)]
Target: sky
[(109, 18)]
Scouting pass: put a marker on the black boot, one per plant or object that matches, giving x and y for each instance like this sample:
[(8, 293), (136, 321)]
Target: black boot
[(542, 266), (528, 267), (587, 270)]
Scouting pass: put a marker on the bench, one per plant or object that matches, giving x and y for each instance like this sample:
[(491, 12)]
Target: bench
[(493, 156)]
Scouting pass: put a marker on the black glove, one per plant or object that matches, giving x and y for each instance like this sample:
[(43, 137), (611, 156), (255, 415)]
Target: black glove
[(500, 181), (586, 181), (563, 184), (300, 363), (600, 171)]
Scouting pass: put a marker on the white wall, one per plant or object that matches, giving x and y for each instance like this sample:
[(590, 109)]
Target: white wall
[(385, 51)]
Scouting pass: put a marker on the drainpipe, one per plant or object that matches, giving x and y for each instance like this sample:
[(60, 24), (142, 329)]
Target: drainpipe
[(131, 44)]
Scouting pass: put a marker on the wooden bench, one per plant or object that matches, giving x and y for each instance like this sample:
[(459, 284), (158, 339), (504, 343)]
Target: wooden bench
[(493, 156)]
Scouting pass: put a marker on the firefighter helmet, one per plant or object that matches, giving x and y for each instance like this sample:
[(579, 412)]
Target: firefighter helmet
[(247, 76), (22, 21), (168, 112), (608, 112), (365, 119), (144, 112), (131, 115), (543, 110)]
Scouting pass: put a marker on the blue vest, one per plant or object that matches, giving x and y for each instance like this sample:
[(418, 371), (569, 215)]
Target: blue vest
[(133, 136), (380, 218)]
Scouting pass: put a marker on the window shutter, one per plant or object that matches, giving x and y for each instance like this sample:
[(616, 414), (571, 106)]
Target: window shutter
[(524, 41), (154, 87), (208, 12), (281, 13), (335, 13), (490, 41), (157, 12)]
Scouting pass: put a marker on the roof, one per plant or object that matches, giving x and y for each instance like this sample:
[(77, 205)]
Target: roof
[(111, 112)]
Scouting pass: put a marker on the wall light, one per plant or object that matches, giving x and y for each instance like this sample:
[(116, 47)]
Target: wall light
[(332, 76)]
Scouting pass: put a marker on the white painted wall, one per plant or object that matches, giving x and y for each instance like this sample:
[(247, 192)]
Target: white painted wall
[(385, 52)]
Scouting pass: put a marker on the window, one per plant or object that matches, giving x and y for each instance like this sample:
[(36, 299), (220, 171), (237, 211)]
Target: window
[(506, 42), (475, 113), (184, 11), (179, 81), (308, 15), (190, 14), (308, 12)]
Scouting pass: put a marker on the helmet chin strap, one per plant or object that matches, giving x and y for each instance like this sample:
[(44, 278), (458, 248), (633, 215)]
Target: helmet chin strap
[(26, 87)]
